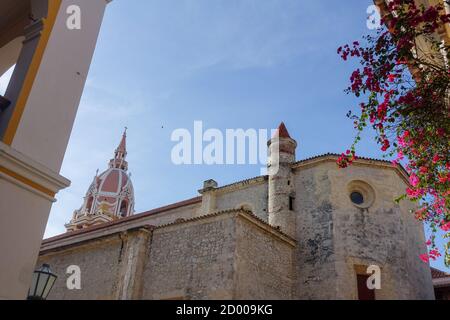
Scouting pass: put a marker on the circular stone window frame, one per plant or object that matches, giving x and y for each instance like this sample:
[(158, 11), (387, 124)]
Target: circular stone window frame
[(365, 189)]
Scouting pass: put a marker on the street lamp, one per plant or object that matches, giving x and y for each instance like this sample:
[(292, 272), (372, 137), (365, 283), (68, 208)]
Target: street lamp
[(41, 283)]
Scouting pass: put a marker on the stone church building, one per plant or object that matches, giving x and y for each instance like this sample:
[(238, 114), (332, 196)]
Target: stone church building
[(307, 230)]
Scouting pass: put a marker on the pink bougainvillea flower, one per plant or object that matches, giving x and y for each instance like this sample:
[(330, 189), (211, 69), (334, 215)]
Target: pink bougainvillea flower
[(424, 257), (436, 158), (434, 254), (446, 227), (405, 103), (423, 170), (413, 179)]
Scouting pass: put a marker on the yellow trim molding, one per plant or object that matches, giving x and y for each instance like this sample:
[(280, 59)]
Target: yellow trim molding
[(28, 182), (49, 23)]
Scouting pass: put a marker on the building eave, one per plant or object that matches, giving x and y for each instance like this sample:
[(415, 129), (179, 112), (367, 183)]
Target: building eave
[(441, 282), (63, 243), (333, 157), (132, 218)]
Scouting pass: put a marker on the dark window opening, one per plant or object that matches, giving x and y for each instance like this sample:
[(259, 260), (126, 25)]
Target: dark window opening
[(89, 204), (364, 293), (123, 209), (357, 197), (291, 203)]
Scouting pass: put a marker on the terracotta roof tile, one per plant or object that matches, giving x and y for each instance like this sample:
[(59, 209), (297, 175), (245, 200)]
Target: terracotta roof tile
[(436, 274), (130, 218), (282, 131)]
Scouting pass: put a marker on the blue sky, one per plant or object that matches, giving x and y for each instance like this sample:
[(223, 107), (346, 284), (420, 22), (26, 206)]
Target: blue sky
[(160, 65)]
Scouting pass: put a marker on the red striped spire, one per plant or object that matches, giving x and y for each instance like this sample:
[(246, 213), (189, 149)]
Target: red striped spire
[(122, 148), (282, 131)]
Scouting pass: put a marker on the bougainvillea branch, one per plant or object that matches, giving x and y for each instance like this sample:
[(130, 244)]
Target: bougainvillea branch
[(404, 84)]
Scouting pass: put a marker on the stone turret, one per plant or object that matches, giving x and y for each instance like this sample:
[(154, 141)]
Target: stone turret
[(281, 185)]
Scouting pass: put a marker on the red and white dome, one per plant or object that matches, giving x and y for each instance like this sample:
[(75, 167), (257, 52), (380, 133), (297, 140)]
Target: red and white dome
[(110, 196), (111, 182)]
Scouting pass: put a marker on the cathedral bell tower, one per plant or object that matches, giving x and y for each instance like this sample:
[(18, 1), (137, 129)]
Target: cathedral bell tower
[(281, 185), (110, 195)]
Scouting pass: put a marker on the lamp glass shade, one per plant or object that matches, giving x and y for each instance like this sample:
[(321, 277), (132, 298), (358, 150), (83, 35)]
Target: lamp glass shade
[(41, 283), (49, 287)]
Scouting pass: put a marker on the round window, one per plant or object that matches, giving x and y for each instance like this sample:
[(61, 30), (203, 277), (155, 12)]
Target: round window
[(357, 197), (361, 194)]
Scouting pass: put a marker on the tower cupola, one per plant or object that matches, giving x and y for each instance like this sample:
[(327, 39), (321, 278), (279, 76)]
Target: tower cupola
[(110, 195)]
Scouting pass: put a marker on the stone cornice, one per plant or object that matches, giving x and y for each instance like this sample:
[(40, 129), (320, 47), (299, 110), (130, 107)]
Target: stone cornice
[(332, 157), (117, 225), (441, 282), (29, 174), (60, 244), (267, 227), (240, 185), (105, 236), (247, 215)]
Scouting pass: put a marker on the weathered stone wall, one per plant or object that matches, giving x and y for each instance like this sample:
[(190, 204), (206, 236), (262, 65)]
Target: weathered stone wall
[(228, 255), (193, 260), (315, 254), (170, 216), (255, 196), (98, 260), (219, 257), (335, 236), (264, 264)]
